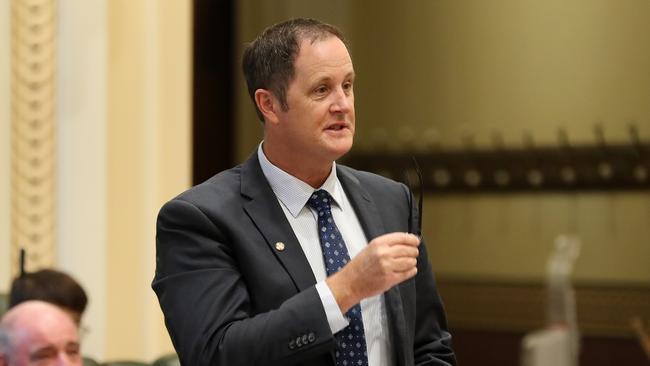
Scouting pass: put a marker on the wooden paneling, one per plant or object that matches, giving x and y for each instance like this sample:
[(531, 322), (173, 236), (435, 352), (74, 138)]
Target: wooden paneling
[(488, 319)]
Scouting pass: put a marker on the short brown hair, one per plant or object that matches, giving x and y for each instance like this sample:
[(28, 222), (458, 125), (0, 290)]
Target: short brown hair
[(268, 61), (51, 286)]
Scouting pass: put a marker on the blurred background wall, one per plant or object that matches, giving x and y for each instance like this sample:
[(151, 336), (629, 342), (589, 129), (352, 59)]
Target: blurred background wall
[(150, 99), (120, 136), (4, 145), (512, 67)]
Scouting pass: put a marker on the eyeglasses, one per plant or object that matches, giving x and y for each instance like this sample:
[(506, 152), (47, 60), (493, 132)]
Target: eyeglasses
[(418, 229)]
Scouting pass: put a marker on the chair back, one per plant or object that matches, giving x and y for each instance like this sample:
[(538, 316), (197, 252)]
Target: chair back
[(4, 303), (167, 360)]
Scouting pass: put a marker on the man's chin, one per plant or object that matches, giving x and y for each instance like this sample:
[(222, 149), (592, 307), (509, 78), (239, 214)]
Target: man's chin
[(339, 151)]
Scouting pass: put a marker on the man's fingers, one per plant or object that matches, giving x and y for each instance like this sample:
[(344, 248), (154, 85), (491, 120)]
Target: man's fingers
[(398, 238), (404, 264), (405, 275), (404, 251)]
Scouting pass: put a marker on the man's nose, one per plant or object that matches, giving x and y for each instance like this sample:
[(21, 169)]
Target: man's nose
[(342, 101)]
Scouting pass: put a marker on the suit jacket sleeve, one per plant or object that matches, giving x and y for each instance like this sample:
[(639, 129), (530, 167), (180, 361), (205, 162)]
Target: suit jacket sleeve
[(207, 307), (432, 341)]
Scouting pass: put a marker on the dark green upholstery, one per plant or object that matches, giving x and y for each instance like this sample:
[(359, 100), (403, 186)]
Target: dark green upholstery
[(90, 362), (167, 360), (4, 302)]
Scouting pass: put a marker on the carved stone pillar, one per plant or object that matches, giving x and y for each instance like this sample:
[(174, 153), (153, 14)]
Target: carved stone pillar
[(33, 132)]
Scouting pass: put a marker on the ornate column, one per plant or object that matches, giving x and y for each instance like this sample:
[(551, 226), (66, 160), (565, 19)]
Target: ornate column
[(33, 147)]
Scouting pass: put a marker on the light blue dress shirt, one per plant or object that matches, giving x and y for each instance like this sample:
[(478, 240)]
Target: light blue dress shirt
[(293, 195)]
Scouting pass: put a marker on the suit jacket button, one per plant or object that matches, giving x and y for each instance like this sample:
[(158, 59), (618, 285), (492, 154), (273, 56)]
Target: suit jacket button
[(304, 339), (292, 344), (299, 342), (311, 337)]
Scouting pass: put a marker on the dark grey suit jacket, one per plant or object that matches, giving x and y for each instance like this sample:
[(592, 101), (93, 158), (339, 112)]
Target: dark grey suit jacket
[(231, 298)]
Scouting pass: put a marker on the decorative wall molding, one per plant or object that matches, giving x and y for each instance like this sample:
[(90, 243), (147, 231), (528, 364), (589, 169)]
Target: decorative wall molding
[(603, 310), (564, 167), (33, 140)]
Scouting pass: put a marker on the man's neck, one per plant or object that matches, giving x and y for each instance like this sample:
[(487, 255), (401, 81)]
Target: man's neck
[(309, 172)]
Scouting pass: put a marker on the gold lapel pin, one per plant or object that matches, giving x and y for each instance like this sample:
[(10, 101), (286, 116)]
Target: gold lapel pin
[(279, 246)]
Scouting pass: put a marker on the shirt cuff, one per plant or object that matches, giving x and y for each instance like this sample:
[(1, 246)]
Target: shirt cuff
[(335, 317)]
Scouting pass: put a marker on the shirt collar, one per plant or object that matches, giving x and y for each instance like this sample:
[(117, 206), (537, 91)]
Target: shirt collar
[(291, 191)]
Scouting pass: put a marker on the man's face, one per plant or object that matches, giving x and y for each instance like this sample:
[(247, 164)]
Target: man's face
[(319, 123), (47, 344)]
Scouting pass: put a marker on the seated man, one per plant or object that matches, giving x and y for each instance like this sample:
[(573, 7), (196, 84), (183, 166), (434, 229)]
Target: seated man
[(38, 333)]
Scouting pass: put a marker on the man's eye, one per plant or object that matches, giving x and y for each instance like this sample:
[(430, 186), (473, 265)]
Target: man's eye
[(321, 90), (72, 349)]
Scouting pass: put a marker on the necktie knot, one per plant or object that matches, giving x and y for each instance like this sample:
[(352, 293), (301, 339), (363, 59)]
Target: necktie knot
[(320, 201)]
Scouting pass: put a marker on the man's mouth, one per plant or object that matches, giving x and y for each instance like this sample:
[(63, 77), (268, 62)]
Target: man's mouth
[(336, 127)]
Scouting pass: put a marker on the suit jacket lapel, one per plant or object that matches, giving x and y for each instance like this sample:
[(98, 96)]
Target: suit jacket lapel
[(372, 224), (263, 208)]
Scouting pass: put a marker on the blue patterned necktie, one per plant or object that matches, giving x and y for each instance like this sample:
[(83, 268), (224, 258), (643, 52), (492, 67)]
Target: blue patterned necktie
[(351, 340)]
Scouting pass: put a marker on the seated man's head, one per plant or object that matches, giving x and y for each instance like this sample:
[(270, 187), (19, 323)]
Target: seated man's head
[(38, 333), (50, 286)]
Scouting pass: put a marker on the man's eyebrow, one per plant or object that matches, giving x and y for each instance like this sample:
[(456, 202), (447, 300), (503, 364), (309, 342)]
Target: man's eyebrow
[(322, 79), (350, 75), (42, 351)]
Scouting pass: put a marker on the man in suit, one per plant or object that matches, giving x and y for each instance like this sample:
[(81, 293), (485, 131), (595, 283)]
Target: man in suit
[(291, 259)]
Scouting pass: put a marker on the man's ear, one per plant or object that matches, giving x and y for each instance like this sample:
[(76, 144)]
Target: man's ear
[(267, 104)]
